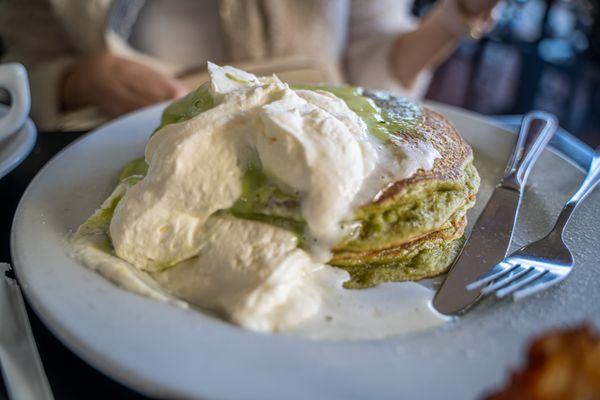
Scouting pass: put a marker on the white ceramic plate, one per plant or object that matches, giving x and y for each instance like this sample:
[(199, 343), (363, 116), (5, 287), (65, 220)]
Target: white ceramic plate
[(169, 352), (15, 148)]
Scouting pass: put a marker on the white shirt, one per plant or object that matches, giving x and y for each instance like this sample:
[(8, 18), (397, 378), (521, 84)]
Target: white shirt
[(182, 32), (188, 33)]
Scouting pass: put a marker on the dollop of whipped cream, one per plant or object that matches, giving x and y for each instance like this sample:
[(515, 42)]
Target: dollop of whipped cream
[(309, 141)]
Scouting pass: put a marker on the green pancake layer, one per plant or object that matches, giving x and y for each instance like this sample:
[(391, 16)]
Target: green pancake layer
[(419, 209), (426, 259)]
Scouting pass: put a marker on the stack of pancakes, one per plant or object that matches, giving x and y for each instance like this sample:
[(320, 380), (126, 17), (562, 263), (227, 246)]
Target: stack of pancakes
[(414, 228)]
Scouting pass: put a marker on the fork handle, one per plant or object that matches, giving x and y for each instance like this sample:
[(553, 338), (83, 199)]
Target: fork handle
[(592, 178), (536, 130)]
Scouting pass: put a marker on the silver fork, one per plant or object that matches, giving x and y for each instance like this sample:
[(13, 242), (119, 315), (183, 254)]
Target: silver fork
[(543, 263)]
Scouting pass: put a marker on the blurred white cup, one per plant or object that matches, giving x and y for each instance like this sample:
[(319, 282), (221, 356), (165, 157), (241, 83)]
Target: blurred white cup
[(13, 78)]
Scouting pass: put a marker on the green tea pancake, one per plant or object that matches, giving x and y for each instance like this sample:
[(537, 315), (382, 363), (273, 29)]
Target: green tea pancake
[(412, 228)]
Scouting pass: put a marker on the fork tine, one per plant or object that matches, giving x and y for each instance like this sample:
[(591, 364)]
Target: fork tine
[(537, 285), (514, 274), (531, 275), (498, 271)]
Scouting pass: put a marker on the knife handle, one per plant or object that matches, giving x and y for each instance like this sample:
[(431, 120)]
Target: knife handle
[(536, 130), (22, 368)]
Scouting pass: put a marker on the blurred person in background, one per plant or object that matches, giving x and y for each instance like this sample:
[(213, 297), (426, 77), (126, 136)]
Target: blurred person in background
[(117, 56)]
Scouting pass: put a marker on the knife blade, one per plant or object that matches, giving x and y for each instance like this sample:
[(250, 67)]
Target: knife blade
[(487, 246), (21, 366), (491, 236)]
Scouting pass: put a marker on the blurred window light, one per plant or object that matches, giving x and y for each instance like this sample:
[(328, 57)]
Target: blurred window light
[(561, 19), (525, 19)]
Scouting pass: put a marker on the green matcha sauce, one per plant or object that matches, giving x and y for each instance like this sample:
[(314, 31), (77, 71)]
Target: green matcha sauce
[(264, 199), (187, 107), (383, 114), (136, 168)]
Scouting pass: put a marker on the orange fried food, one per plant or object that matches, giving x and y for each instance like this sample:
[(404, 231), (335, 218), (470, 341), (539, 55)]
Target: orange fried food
[(561, 365)]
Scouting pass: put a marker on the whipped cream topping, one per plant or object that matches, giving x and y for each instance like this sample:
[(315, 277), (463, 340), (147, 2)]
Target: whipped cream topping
[(169, 225)]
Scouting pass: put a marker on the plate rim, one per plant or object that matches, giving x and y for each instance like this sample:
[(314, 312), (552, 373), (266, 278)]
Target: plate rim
[(108, 366), (29, 132), (492, 121), (85, 353)]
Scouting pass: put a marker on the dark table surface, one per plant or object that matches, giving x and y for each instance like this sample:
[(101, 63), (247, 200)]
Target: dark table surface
[(69, 376)]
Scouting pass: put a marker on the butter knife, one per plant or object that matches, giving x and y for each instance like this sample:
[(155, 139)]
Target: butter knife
[(21, 366), (491, 236)]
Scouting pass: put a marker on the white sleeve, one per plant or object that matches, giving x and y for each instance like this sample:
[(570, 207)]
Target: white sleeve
[(374, 26)]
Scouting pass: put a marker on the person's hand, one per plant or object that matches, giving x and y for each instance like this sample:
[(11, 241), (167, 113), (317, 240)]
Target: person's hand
[(477, 7), (116, 85), (473, 16)]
